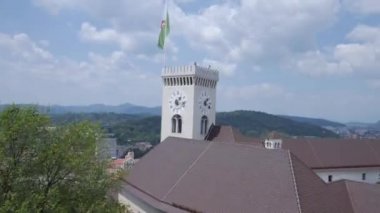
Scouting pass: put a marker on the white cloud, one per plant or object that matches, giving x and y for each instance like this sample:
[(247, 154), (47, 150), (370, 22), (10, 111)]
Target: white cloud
[(315, 63), (89, 33), (38, 76), (258, 28), (225, 68), (21, 46), (254, 92), (363, 6), (364, 33), (359, 56), (242, 31), (374, 83)]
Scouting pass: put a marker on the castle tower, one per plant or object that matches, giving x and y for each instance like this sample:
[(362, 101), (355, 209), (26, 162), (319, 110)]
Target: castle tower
[(188, 101)]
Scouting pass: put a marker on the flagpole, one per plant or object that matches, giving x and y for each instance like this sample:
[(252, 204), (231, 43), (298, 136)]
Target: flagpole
[(166, 12), (164, 54), (164, 33)]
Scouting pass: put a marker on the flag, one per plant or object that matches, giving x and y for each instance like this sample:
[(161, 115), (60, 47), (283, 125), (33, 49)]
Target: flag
[(165, 29)]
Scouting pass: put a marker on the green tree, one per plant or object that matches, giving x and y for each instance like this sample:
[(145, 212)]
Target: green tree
[(46, 169)]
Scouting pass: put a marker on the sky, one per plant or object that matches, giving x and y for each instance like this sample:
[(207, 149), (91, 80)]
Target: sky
[(314, 58)]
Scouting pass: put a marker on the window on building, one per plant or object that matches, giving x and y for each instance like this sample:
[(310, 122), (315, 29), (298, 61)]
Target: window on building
[(179, 125), (330, 178), (204, 123), (363, 176), (176, 124)]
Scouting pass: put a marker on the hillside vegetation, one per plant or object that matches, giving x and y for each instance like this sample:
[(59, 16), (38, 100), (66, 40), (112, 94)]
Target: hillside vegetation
[(136, 128), (314, 121), (259, 124)]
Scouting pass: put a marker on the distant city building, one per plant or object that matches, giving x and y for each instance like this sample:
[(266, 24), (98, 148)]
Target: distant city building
[(123, 163)]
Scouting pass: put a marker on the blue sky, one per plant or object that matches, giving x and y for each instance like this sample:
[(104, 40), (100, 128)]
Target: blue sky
[(315, 58)]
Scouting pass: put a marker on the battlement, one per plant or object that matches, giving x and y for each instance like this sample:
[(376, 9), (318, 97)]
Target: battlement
[(191, 70)]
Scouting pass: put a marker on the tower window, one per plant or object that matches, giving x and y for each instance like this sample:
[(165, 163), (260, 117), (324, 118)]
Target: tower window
[(176, 124), (179, 125), (204, 124), (330, 178), (363, 176), (191, 80)]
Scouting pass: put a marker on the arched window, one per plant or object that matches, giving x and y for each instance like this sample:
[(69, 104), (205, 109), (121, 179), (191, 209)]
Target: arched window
[(204, 124), (176, 124)]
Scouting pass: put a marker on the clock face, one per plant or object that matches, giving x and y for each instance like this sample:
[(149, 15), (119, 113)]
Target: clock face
[(205, 103), (177, 102)]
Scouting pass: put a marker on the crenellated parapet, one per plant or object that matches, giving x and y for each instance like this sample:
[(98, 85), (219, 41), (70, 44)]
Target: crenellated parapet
[(191, 71)]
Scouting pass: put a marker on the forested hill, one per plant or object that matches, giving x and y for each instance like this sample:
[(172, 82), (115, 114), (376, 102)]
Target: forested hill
[(125, 108), (315, 121), (134, 128), (259, 124)]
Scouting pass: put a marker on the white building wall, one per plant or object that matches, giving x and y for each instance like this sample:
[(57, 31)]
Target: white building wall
[(355, 174), (198, 112), (134, 204), (191, 114), (186, 114)]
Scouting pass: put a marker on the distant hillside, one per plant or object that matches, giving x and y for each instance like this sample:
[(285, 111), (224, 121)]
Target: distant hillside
[(372, 126), (359, 124), (259, 124), (133, 128), (377, 125), (96, 108), (126, 128), (314, 121)]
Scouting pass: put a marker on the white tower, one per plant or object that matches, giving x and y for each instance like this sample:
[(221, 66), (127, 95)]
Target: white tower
[(188, 101)]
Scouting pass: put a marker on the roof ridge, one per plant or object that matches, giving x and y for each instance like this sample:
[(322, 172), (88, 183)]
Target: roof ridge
[(252, 146), (232, 133), (349, 195), (294, 181), (186, 171)]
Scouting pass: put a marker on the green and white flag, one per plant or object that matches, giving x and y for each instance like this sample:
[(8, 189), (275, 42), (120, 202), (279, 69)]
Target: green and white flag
[(165, 29)]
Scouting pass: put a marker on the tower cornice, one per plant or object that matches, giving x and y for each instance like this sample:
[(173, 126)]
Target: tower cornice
[(190, 70)]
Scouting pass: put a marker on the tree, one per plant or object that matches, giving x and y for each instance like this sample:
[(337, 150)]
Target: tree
[(51, 169)]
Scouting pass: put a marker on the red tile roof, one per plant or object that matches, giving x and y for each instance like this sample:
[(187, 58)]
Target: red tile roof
[(335, 153), (230, 176), (228, 134), (322, 153), (216, 176)]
